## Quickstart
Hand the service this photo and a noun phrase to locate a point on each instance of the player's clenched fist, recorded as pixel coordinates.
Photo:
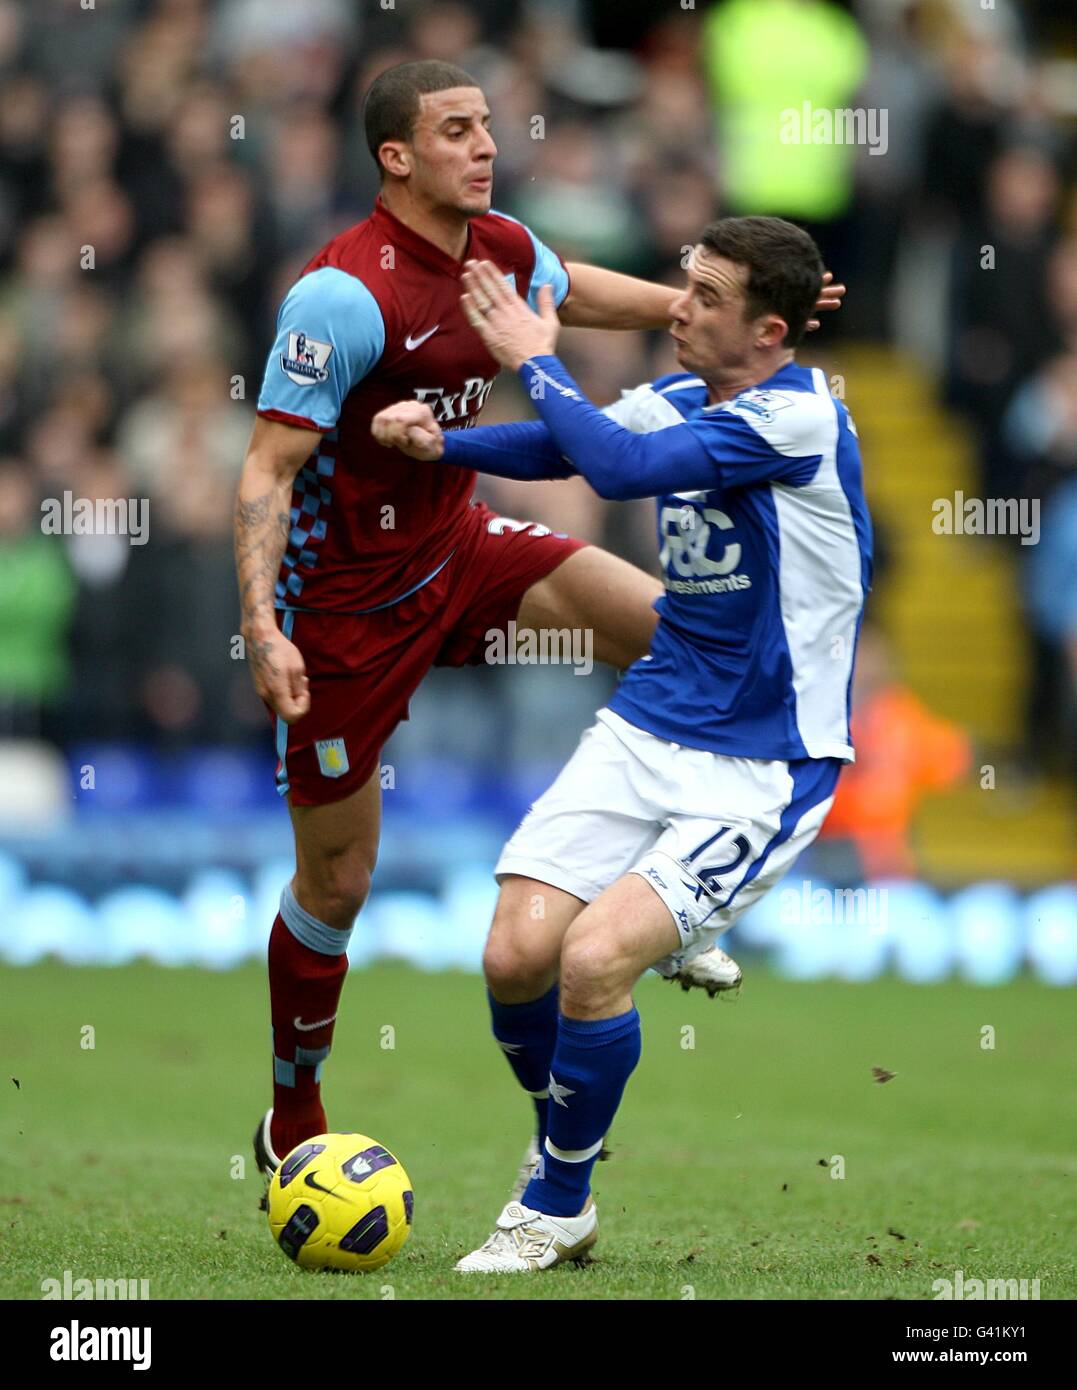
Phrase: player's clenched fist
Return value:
(410, 427)
(280, 674)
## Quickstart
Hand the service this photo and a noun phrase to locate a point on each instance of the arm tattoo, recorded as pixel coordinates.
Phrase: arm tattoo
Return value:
(261, 535)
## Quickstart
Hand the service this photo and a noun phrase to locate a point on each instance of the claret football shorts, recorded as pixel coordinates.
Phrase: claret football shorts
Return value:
(364, 668)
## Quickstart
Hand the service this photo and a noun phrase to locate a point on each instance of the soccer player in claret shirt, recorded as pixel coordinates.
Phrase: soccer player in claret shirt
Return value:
(715, 763)
(360, 569)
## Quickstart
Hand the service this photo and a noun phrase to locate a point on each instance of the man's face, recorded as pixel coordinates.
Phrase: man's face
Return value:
(710, 329)
(452, 152)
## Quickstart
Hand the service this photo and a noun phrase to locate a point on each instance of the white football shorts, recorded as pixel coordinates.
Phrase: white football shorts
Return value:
(710, 833)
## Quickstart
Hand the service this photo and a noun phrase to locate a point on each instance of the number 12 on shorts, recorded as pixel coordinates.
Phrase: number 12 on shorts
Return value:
(710, 875)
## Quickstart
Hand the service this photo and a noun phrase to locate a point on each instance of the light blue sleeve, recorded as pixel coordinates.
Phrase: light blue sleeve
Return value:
(548, 271)
(330, 334)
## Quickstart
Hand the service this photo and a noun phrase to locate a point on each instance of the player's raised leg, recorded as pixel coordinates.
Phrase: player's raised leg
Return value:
(594, 591)
(606, 949)
(336, 849)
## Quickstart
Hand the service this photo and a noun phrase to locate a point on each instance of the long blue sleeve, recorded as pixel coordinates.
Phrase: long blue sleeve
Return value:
(526, 450)
(617, 463)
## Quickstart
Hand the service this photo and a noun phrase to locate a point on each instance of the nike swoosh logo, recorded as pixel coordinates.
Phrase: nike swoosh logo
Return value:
(310, 1027)
(412, 343)
(311, 1181)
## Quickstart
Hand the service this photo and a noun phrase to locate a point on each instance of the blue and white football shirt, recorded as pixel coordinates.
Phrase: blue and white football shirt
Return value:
(766, 573)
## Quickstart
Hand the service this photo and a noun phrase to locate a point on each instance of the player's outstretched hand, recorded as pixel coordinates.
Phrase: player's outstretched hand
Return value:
(510, 330)
(280, 675)
(410, 427)
(830, 297)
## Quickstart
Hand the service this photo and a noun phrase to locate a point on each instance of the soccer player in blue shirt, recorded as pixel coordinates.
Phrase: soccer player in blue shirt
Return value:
(715, 763)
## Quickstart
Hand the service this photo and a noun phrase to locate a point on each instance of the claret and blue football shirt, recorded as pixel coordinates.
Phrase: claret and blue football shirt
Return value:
(375, 318)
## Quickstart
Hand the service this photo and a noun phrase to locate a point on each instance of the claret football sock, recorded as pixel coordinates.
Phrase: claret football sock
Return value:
(307, 964)
(527, 1034)
(592, 1062)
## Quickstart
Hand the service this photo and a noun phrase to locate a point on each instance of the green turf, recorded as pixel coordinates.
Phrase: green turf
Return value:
(117, 1160)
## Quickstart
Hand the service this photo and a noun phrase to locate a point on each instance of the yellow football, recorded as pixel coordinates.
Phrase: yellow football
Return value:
(340, 1201)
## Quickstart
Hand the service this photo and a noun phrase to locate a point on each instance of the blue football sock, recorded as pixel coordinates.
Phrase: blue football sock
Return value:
(528, 1034)
(591, 1066)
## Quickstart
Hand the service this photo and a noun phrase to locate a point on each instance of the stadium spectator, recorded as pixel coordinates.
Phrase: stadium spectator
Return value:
(1002, 324)
(36, 601)
(764, 60)
(1039, 430)
(1052, 596)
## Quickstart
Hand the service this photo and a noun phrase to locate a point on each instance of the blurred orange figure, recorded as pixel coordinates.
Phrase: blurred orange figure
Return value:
(903, 752)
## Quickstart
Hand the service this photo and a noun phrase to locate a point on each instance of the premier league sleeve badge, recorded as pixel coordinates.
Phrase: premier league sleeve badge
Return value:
(304, 362)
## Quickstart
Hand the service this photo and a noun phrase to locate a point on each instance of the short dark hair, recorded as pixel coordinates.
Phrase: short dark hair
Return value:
(785, 269)
(393, 102)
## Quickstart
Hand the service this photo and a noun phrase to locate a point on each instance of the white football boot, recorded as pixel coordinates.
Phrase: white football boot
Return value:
(711, 970)
(527, 1240)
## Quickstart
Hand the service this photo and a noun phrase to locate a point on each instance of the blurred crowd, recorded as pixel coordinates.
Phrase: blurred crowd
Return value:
(168, 166)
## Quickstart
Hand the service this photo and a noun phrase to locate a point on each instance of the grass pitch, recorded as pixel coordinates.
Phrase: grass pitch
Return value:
(120, 1160)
